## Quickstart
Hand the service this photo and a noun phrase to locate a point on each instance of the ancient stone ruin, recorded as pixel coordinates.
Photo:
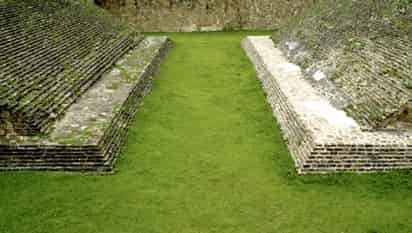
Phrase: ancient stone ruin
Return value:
(338, 78)
(71, 78)
(204, 15)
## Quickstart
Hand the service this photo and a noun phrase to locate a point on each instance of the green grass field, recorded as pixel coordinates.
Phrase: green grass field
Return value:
(205, 155)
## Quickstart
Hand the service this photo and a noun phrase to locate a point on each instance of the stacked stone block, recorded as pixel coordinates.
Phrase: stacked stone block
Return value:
(321, 138)
(378, 82)
(362, 52)
(99, 148)
(51, 53)
(204, 15)
(71, 79)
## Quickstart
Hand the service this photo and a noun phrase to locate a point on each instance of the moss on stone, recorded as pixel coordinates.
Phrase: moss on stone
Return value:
(68, 45)
(366, 43)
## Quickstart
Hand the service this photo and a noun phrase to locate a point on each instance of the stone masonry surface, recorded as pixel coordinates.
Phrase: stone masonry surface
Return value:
(320, 137)
(204, 15)
(51, 52)
(91, 133)
(359, 53)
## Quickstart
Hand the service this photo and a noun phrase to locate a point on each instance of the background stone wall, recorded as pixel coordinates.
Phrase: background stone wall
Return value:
(204, 15)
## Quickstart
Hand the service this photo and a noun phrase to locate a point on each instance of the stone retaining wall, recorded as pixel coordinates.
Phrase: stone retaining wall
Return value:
(321, 138)
(51, 52)
(204, 15)
(360, 54)
(90, 135)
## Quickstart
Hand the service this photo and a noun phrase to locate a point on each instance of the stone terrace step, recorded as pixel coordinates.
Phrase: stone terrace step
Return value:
(51, 52)
(89, 136)
(321, 138)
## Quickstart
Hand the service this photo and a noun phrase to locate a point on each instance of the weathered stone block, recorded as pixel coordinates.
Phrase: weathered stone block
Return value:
(321, 138)
(90, 135)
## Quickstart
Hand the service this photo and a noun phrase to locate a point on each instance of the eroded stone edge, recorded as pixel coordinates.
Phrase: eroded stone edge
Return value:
(91, 155)
(316, 145)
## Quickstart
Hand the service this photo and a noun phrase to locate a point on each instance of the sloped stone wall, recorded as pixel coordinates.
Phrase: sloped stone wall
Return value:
(359, 53)
(51, 52)
(204, 15)
(321, 138)
(90, 135)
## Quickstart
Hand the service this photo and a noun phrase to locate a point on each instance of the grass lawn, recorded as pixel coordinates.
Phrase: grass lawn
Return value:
(205, 155)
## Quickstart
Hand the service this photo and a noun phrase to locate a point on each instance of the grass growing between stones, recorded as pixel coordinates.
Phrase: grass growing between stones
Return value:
(203, 156)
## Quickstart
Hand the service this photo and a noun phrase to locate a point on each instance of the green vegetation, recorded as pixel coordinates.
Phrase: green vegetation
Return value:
(205, 155)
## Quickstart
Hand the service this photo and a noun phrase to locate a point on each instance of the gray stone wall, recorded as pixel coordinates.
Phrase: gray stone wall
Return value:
(90, 135)
(321, 138)
(51, 53)
(203, 15)
(360, 54)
